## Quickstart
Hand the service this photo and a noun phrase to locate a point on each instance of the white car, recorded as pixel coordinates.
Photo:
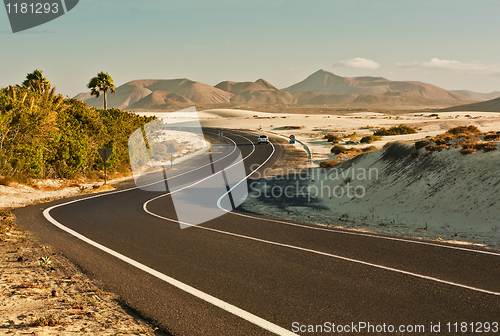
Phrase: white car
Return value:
(262, 139)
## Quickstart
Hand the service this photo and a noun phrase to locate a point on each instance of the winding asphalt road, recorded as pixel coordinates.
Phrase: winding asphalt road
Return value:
(245, 274)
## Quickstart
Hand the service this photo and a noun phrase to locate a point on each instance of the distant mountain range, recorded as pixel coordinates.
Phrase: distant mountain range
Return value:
(478, 96)
(486, 106)
(321, 89)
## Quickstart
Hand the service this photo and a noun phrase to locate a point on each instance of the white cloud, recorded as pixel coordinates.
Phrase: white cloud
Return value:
(455, 66)
(358, 63)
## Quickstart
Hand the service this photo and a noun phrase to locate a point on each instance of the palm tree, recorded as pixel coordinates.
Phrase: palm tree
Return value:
(37, 82)
(102, 82)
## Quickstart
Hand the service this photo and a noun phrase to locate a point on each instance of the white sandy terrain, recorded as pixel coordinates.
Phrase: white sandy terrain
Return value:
(16, 195)
(455, 198)
(438, 195)
(314, 126)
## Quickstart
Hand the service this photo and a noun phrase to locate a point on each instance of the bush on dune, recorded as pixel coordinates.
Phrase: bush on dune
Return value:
(370, 138)
(328, 163)
(332, 138)
(464, 131)
(349, 153)
(395, 130)
(466, 137)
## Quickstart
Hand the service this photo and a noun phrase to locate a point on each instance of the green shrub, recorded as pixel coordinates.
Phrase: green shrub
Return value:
(369, 149)
(332, 138)
(486, 146)
(370, 139)
(441, 141)
(338, 149)
(396, 130)
(432, 148)
(420, 144)
(491, 137)
(467, 150)
(463, 131)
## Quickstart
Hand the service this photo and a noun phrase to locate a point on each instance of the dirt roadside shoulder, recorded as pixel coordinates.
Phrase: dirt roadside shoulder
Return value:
(43, 293)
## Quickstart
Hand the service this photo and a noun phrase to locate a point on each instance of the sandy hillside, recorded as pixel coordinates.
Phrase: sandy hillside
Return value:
(134, 91)
(477, 95)
(125, 95)
(258, 93)
(437, 195)
(239, 87)
(320, 90)
(327, 82)
(486, 106)
(160, 100)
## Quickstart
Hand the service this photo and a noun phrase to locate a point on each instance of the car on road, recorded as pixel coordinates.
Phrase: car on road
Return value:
(263, 139)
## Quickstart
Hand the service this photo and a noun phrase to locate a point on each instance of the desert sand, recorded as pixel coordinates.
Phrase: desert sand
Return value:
(463, 206)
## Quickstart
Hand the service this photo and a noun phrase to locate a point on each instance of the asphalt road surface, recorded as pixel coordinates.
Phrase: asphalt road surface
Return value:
(245, 274)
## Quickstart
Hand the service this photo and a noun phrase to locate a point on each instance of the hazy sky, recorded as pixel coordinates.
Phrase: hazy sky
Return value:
(450, 43)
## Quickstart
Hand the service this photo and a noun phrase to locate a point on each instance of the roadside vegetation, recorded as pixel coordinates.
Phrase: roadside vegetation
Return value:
(468, 138)
(370, 138)
(333, 138)
(376, 136)
(344, 154)
(395, 130)
(44, 135)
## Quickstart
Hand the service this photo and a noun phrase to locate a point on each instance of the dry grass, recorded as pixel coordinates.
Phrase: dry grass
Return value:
(329, 163)
(338, 149)
(345, 154)
(6, 221)
(50, 320)
(468, 138)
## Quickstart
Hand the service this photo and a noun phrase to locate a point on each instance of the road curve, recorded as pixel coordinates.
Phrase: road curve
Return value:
(243, 274)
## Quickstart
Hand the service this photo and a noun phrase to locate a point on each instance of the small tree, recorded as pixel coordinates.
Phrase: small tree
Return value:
(101, 83)
(37, 82)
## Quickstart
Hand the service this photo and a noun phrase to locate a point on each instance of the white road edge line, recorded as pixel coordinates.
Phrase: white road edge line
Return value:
(332, 256)
(180, 285)
(338, 257)
(250, 317)
(309, 250)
